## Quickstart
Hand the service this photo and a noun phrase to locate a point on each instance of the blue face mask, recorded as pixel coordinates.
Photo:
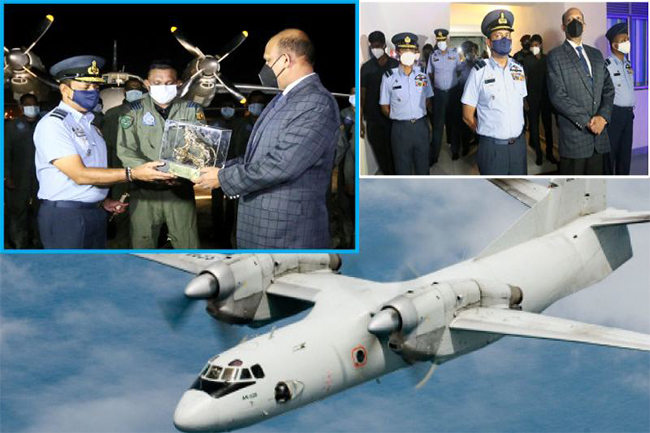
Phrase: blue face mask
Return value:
(133, 95)
(227, 112)
(87, 99)
(256, 109)
(502, 46)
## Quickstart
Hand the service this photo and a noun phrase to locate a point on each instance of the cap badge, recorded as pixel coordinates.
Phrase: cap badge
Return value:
(93, 69)
(502, 19)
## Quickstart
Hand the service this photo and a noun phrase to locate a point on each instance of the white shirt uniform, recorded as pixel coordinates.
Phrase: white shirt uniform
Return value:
(498, 95)
(65, 131)
(623, 78)
(406, 94)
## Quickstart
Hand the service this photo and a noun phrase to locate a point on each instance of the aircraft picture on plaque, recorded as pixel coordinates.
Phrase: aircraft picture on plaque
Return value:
(188, 147)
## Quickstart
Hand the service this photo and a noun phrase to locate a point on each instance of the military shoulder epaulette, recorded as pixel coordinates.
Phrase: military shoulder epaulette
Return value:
(388, 73)
(59, 113)
(608, 61)
(135, 105)
(478, 65)
(192, 104)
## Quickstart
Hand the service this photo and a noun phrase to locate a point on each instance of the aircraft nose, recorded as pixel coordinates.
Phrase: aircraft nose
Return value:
(197, 412)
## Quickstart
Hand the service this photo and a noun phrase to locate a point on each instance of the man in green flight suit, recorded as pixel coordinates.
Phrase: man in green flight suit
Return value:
(139, 140)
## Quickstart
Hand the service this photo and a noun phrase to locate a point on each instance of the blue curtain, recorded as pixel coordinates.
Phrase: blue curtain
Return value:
(636, 15)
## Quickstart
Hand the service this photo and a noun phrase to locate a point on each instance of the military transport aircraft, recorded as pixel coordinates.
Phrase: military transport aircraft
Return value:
(358, 330)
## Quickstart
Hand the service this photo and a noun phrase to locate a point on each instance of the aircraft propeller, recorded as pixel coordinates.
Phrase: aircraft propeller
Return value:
(18, 60)
(209, 66)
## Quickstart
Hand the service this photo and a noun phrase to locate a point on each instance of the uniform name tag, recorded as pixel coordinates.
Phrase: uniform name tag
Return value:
(397, 87)
(488, 81)
(79, 132)
(617, 74)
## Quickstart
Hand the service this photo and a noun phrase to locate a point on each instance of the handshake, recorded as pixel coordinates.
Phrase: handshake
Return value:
(596, 124)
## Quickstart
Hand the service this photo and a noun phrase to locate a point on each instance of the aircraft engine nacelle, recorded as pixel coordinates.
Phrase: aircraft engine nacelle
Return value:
(235, 287)
(496, 293)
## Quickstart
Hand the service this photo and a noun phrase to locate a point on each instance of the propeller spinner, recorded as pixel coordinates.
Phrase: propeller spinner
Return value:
(210, 66)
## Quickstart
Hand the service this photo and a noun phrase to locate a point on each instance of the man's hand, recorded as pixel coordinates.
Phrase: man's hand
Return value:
(114, 206)
(597, 124)
(148, 173)
(209, 178)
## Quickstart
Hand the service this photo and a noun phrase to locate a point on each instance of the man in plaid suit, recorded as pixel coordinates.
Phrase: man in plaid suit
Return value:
(581, 90)
(283, 178)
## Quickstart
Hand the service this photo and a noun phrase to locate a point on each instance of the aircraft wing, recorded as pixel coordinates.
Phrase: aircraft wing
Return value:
(612, 217)
(525, 191)
(192, 263)
(524, 324)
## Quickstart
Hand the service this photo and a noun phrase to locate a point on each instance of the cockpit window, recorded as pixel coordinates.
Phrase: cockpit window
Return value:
(213, 372)
(257, 371)
(245, 374)
(229, 374)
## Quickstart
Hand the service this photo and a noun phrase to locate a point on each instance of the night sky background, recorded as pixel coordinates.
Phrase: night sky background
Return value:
(143, 34)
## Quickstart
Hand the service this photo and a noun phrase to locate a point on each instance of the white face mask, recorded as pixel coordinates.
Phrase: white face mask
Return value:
(624, 47)
(535, 50)
(442, 45)
(377, 52)
(352, 100)
(31, 110)
(133, 95)
(163, 94)
(408, 58)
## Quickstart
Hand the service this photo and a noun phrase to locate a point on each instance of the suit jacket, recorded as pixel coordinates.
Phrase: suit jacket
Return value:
(283, 178)
(577, 101)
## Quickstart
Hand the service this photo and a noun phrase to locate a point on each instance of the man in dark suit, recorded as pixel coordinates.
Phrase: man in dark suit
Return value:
(283, 178)
(582, 92)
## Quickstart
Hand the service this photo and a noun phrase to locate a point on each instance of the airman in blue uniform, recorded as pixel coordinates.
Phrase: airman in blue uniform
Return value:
(71, 162)
(620, 129)
(495, 90)
(405, 97)
(444, 66)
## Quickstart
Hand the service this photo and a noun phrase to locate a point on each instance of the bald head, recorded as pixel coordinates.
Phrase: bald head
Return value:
(294, 42)
(572, 13)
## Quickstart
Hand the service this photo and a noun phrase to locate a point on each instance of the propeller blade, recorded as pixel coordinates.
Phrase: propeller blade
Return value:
(427, 376)
(229, 86)
(43, 28)
(176, 310)
(37, 73)
(193, 49)
(6, 50)
(185, 87)
(232, 45)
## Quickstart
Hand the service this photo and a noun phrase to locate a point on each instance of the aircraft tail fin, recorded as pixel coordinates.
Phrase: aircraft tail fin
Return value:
(561, 202)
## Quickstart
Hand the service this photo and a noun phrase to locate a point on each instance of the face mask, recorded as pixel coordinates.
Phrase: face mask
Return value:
(535, 50)
(408, 58)
(353, 100)
(442, 46)
(98, 108)
(574, 29)
(256, 109)
(227, 112)
(87, 99)
(624, 47)
(526, 46)
(163, 94)
(268, 77)
(31, 110)
(502, 46)
(133, 95)
(377, 52)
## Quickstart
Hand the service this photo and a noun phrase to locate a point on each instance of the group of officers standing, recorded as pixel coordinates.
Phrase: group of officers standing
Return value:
(489, 101)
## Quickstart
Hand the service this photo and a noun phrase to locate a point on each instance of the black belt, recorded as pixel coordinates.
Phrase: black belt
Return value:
(508, 141)
(410, 120)
(71, 204)
(624, 108)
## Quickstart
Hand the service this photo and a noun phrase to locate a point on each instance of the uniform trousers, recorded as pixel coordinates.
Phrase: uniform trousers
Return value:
(502, 157)
(620, 131)
(410, 141)
(72, 225)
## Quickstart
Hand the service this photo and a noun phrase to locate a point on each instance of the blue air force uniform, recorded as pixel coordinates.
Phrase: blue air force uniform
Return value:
(407, 97)
(444, 68)
(498, 95)
(620, 129)
(70, 215)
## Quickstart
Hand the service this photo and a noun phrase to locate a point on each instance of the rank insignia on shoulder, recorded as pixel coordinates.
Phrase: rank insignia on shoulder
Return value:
(126, 121)
(388, 73)
(200, 115)
(135, 105)
(478, 65)
(608, 62)
(148, 119)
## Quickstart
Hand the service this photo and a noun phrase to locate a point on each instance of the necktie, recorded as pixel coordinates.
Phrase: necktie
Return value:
(585, 66)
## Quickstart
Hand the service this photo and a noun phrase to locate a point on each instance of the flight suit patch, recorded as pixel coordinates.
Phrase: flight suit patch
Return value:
(126, 121)
(148, 119)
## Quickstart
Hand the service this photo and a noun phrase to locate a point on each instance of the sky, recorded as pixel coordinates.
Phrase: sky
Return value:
(143, 34)
(84, 346)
